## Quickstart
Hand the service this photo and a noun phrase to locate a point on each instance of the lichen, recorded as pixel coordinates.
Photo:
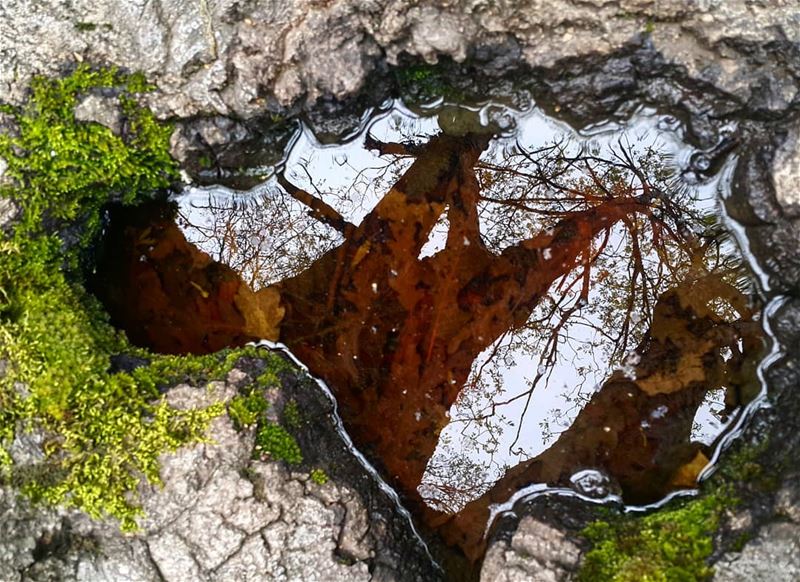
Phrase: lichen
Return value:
(103, 430)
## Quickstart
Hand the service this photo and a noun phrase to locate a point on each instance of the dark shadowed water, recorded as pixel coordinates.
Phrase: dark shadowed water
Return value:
(497, 300)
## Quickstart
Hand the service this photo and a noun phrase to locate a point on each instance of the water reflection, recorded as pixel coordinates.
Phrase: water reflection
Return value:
(494, 303)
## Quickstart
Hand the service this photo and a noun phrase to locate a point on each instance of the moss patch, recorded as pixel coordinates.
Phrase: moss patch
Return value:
(319, 476)
(246, 410)
(744, 468)
(64, 170)
(103, 430)
(292, 416)
(274, 442)
(672, 544)
(422, 83)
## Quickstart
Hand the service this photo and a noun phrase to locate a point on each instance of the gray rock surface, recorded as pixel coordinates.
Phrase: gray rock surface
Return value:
(773, 555)
(8, 213)
(774, 552)
(243, 57)
(537, 552)
(786, 174)
(219, 516)
(102, 110)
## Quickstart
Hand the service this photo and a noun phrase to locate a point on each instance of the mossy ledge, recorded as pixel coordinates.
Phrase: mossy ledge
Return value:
(670, 544)
(102, 429)
(678, 542)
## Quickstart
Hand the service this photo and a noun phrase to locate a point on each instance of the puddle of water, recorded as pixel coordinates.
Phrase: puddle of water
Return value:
(495, 299)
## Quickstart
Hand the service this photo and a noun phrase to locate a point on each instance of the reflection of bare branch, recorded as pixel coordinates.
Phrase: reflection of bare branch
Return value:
(553, 258)
(319, 208)
(638, 428)
(392, 148)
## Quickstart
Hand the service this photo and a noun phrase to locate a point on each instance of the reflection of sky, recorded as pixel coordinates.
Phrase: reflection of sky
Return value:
(352, 180)
(525, 428)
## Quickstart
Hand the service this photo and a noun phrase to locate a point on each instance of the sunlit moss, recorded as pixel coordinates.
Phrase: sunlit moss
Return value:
(64, 169)
(319, 476)
(246, 410)
(274, 442)
(103, 430)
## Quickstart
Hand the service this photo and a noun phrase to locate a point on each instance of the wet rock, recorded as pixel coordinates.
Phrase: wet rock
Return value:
(786, 322)
(126, 363)
(786, 174)
(219, 516)
(761, 204)
(206, 135)
(537, 552)
(102, 110)
(776, 248)
(246, 58)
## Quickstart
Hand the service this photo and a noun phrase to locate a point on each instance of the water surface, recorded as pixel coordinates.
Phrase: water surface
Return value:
(496, 299)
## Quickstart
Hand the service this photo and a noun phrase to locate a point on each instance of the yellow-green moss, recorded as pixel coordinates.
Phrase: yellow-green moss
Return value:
(274, 442)
(668, 545)
(319, 477)
(246, 410)
(103, 430)
(64, 169)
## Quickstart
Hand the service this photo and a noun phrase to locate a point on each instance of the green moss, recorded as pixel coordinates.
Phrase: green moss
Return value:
(671, 544)
(291, 414)
(246, 410)
(319, 476)
(744, 468)
(103, 431)
(423, 82)
(85, 26)
(205, 162)
(65, 170)
(273, 441)
(675, 543)
(269, 377)
(738, 544)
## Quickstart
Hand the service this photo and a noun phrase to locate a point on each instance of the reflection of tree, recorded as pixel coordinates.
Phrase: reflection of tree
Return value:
(444, 309)
(638, 426)
(166, 294)
(264, 240)
(453, 481)
(573, 240)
